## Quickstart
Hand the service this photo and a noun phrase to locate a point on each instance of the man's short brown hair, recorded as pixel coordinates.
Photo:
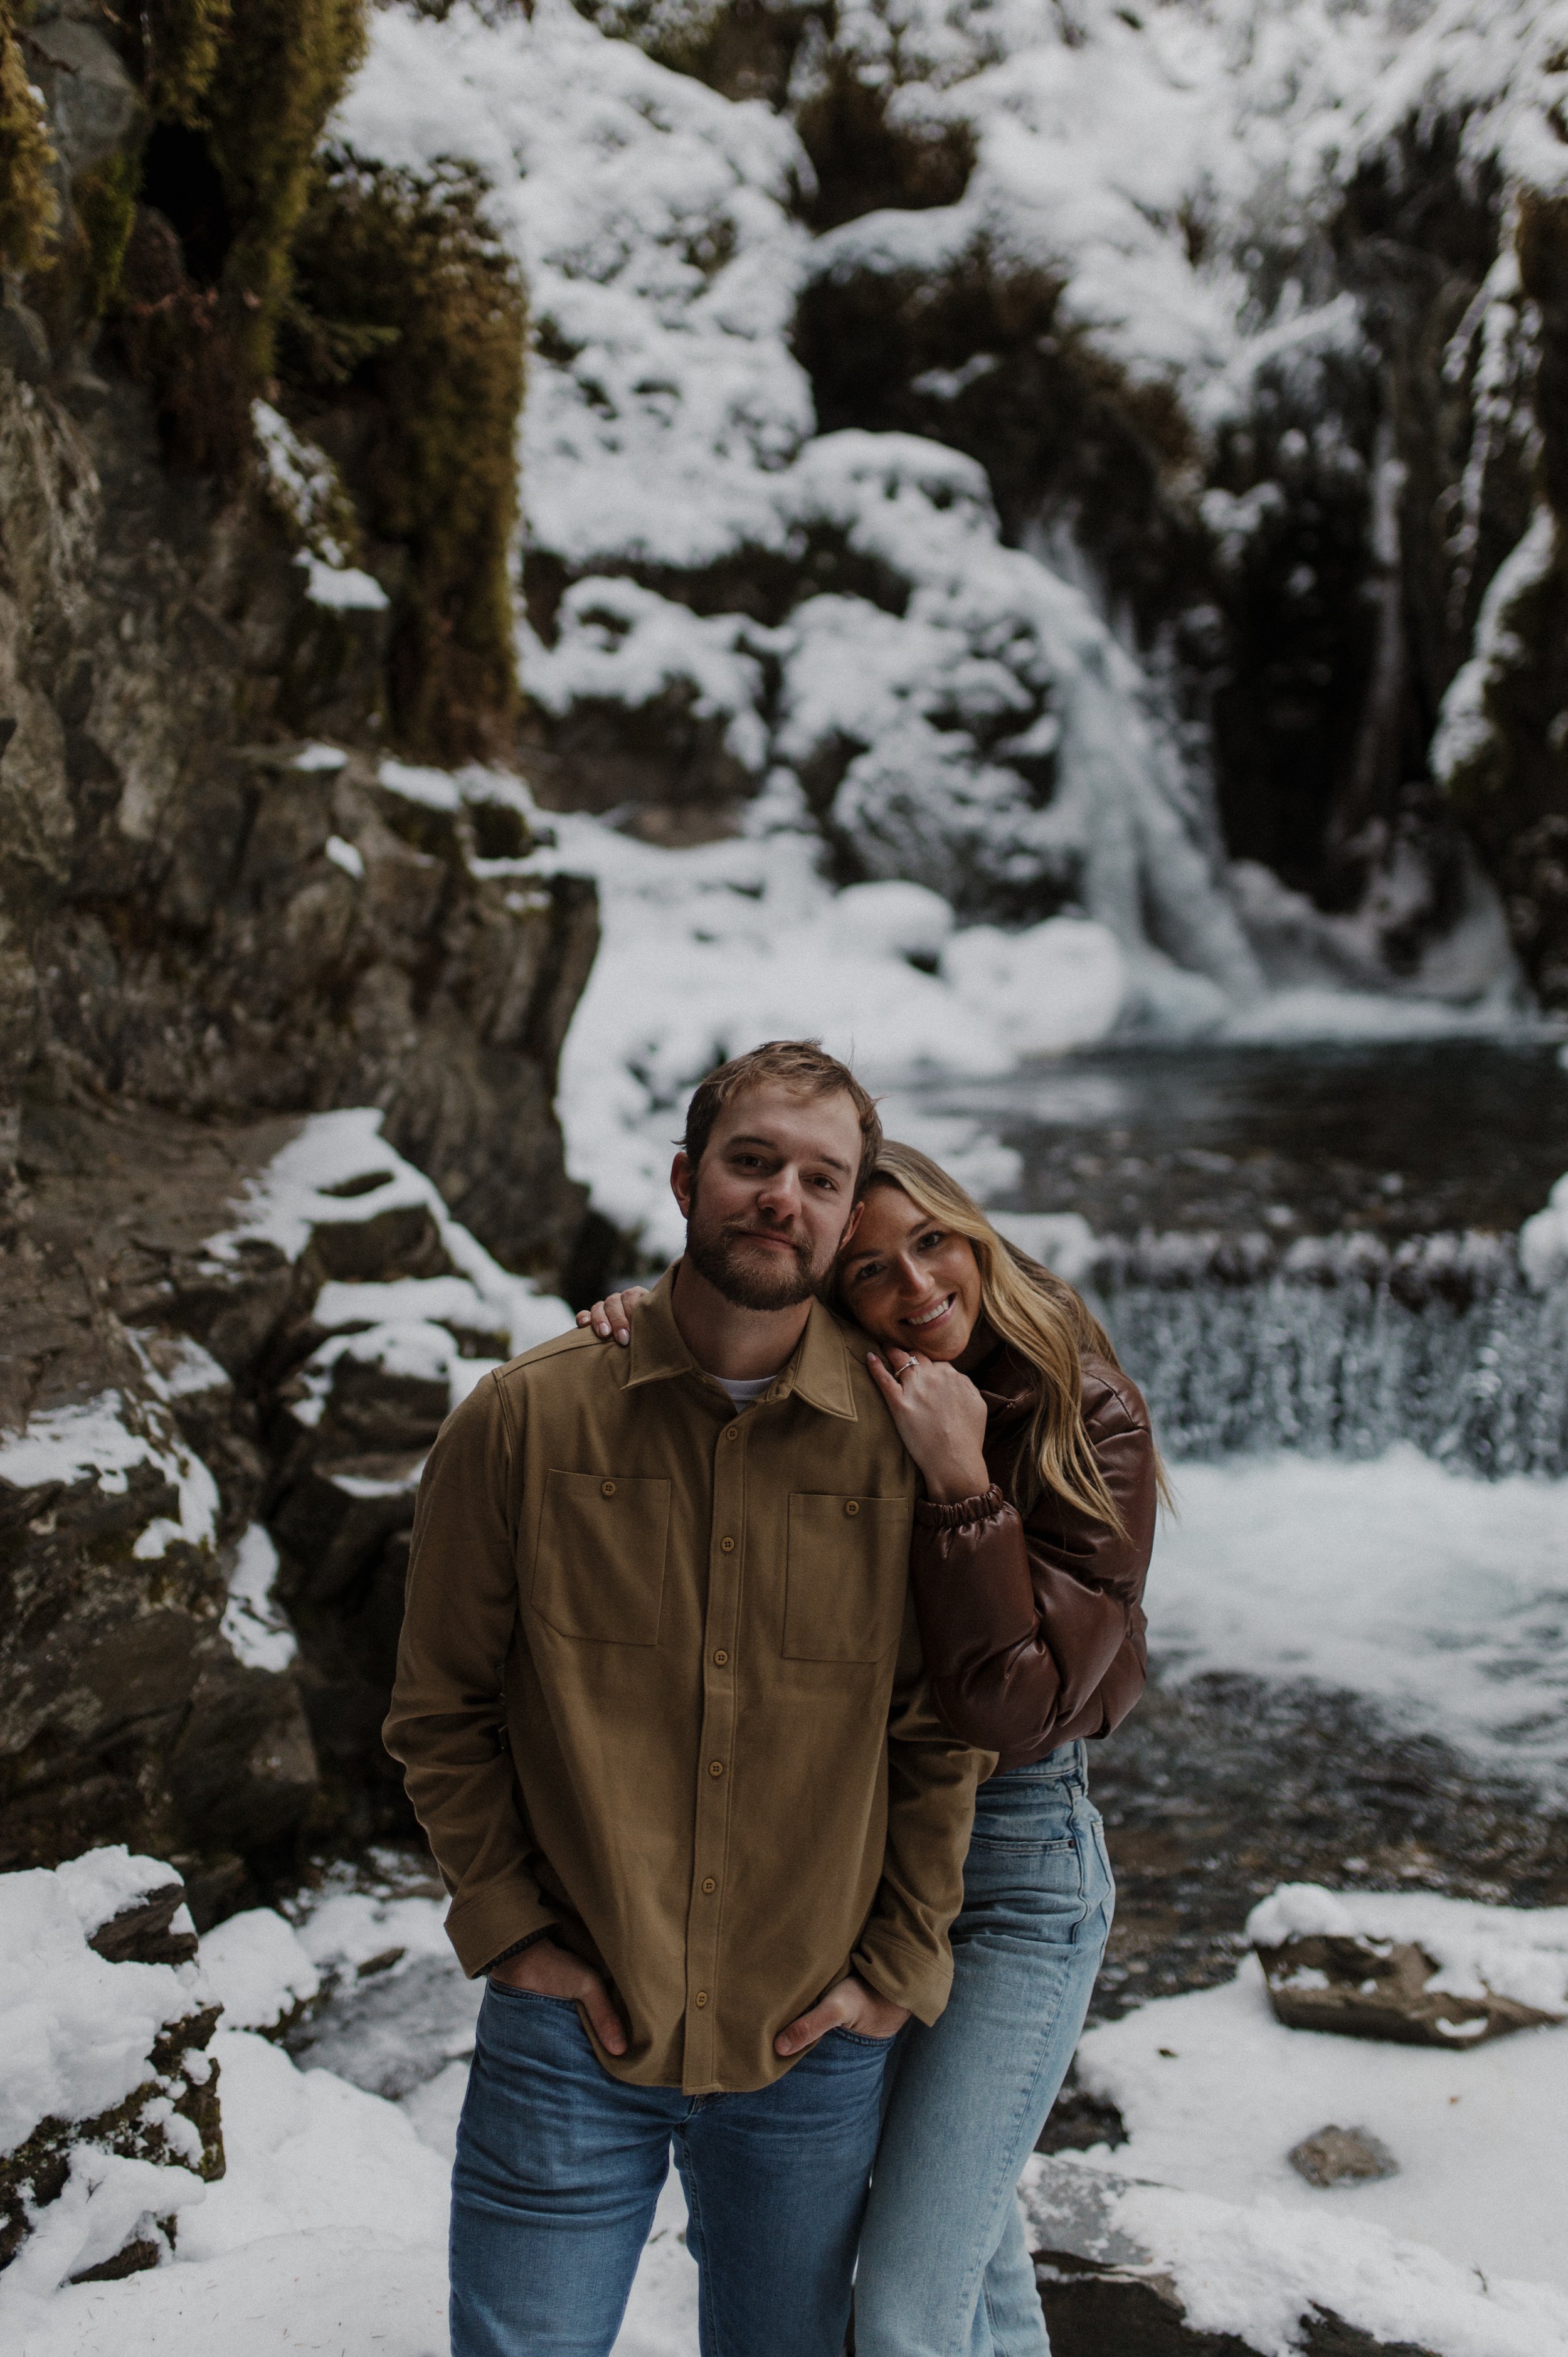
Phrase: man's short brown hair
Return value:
(801, 1066)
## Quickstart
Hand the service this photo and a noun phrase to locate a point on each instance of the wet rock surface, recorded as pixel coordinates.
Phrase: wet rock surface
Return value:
(1218, 1789)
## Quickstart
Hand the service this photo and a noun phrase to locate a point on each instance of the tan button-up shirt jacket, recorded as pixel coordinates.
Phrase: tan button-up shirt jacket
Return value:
(660, 1690)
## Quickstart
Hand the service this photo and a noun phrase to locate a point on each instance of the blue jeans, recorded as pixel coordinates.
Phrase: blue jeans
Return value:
(559, 2168)
(944, 2266)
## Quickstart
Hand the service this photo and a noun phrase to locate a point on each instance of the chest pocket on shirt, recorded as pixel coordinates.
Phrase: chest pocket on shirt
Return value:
(599, 1569)
(845, 1577)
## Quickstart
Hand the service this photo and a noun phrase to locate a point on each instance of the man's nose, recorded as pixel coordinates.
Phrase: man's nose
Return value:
(781, 1194)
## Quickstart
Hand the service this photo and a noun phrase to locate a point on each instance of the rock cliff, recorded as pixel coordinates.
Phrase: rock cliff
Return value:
(226, 907)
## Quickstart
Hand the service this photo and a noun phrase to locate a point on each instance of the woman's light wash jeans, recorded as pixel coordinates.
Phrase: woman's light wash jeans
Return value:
(944, 2265)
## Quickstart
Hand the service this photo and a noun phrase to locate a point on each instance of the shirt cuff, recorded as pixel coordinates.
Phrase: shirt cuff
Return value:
(961, 1512)
(495, 1918)
(913, 1977)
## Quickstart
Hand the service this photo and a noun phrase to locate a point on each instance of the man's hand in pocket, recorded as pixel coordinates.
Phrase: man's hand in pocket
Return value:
(849, 2005)
(551, 1971)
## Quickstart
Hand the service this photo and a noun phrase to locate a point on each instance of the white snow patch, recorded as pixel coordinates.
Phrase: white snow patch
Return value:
(346, 855)
(258, 1968)
(254, 1624)
(344, 588)
(1215, 2093)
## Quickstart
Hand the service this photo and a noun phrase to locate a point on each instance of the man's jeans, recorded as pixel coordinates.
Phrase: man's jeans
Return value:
(559, 2168)
(944, 2266)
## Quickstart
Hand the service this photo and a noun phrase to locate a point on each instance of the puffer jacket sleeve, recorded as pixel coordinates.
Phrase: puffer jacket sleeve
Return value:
(1033, 1625)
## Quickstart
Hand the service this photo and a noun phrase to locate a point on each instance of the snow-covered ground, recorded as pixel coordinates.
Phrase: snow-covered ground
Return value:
(327, 2233)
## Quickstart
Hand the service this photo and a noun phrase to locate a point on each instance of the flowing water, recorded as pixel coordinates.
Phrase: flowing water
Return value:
(1307, 1248)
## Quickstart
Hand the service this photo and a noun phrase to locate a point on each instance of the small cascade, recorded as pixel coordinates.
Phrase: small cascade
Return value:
(1341, 1345)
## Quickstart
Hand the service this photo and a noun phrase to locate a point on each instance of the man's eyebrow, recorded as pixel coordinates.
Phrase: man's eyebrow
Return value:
(746, 1138)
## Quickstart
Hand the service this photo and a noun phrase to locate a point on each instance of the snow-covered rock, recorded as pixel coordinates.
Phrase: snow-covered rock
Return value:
(109, 2121)
(1408, 1965)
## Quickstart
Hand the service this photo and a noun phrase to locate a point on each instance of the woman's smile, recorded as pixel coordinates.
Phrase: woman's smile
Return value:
(926, 1318)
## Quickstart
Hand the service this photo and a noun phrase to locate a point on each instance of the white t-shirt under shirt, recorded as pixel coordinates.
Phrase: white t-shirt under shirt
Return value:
(744, 1390)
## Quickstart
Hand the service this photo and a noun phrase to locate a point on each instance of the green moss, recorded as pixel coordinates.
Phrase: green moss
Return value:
(173, 48)
(408, 330)
(231, 168)
(106, 203)
(284, 67)
(27, 207)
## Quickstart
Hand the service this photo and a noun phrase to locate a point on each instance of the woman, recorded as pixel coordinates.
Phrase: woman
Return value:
(1031, 1547)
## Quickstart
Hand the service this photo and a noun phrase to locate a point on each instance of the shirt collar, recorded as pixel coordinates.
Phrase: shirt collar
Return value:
(818, 1371)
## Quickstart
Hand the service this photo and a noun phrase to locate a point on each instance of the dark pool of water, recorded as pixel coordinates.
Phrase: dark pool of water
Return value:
(1403, 1138)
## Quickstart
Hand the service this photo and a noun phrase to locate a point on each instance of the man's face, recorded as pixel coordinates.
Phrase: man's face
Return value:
(775, 1196)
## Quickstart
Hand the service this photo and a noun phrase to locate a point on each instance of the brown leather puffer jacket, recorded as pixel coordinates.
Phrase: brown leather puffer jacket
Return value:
(1033, 1625)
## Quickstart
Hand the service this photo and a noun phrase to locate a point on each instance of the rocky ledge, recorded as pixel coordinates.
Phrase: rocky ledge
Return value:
(231, 1346)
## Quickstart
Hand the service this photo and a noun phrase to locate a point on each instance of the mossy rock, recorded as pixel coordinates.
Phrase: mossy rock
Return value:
(403, 352)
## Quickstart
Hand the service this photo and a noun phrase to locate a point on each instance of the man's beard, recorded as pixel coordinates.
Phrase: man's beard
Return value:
(758, 1279)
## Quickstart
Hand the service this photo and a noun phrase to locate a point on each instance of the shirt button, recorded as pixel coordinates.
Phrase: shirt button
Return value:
(702, 1997)
(715, 1766)
(850, 1505)
(608, 1489)
(726, 1546)
(732, 1431)
(721, 1657)
(709, 1884)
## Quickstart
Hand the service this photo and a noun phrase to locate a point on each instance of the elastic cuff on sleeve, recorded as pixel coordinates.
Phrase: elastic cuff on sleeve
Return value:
(962, 1513)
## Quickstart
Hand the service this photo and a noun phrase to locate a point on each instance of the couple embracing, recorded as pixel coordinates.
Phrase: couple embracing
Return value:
(753, 1635)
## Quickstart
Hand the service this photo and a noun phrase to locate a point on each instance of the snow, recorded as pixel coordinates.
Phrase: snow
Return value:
(1515, 1952)
(1215, 2093)
(347, 856)
(76, 2031)
(108, 1437)
(983, 727)
(333, 1150)
(342, 588)
(257, 1969)
(254, 1624)
(1441, 1597)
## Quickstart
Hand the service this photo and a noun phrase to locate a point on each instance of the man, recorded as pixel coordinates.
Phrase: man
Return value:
(660, 1705)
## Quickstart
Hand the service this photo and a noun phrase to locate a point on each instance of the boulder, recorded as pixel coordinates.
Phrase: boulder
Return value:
(1410, 1966)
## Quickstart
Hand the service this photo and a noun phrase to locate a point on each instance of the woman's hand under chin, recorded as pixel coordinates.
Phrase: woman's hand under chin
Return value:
(940, 1418)
(613, 1314)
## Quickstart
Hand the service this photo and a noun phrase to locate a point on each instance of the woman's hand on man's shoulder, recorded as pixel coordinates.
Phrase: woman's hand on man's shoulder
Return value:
(613, 1314)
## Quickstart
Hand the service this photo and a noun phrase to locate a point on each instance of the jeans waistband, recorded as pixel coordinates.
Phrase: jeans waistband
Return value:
(1069, 1762)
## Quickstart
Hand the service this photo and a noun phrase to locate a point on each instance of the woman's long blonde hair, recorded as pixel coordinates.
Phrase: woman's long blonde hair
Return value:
(1042, 1319)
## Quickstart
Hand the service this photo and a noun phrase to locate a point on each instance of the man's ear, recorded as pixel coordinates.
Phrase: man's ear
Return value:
(852, 1222)
(682, 1177)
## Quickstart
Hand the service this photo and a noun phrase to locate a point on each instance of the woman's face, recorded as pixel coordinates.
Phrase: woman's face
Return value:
(910, 1282)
